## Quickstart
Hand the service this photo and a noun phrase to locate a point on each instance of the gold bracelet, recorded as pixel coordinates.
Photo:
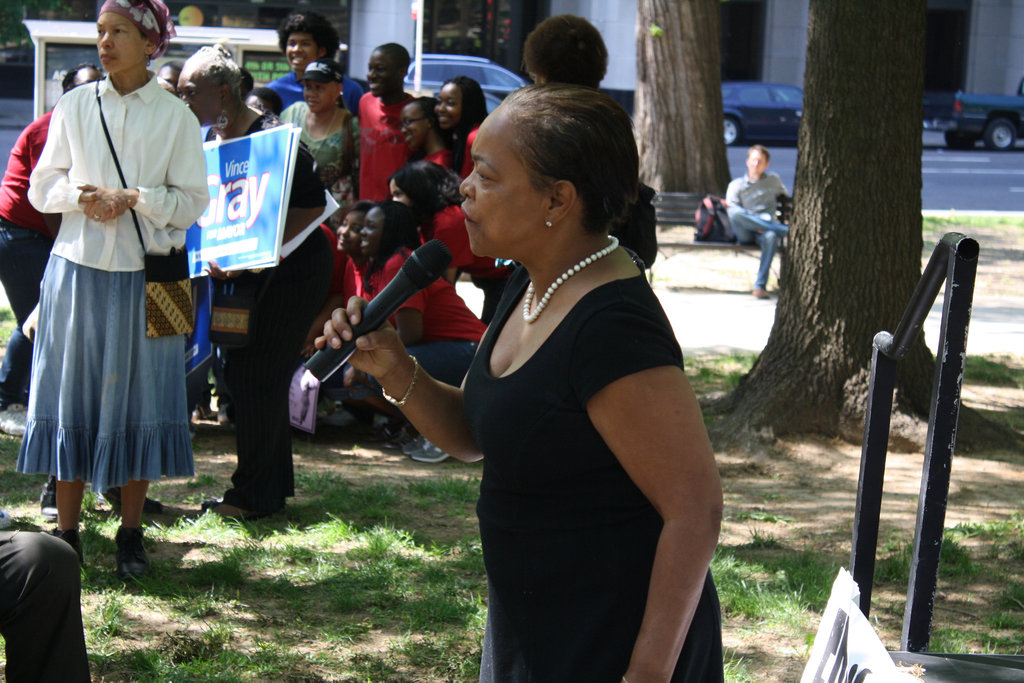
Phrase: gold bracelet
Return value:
(412, 385)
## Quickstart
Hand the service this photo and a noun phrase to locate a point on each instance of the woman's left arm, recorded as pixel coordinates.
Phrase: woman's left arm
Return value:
(671, 461)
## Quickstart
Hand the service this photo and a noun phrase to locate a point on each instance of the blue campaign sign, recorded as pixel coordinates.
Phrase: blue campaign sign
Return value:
(250, 179)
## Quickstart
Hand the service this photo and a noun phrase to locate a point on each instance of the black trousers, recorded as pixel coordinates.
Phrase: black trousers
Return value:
(40, 609)
(258, 376)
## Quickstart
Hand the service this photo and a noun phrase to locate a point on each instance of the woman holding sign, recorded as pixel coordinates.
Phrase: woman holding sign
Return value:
(258, 374)
(110, 404)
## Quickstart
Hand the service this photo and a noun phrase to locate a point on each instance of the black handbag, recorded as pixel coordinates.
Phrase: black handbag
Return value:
(233, 308)
(169, 308)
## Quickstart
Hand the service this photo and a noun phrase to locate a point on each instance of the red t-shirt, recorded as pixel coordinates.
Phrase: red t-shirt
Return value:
(441, 158)
(382, 147)
(14, 204)
(353, 285)
(340, 262)
(445, 315)
(467, 160)
(449, 226)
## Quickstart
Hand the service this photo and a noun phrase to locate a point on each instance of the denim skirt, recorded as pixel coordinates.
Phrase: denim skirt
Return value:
(107, 404)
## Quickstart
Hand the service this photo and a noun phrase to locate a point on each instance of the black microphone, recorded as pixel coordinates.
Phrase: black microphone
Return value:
(423, 266)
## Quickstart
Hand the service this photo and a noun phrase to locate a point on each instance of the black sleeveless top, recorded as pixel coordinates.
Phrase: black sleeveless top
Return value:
(568, 538)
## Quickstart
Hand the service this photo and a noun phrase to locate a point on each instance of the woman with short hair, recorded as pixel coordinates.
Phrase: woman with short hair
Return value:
(600, 502)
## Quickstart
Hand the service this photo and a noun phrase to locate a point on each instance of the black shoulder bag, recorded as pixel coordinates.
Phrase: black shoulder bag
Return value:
(168, 289)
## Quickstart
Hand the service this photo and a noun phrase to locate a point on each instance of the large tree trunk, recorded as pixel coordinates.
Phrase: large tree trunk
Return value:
(678, 106)
(855, 245)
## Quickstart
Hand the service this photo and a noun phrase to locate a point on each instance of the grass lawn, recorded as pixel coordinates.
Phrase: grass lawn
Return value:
(374, 571)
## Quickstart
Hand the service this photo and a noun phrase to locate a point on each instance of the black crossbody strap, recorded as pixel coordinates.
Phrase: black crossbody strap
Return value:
(117, 163)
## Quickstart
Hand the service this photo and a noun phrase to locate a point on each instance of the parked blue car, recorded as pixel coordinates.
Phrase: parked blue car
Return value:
(757, 111)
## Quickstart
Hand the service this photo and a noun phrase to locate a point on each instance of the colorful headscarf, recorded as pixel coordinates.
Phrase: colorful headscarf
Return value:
(151, 16)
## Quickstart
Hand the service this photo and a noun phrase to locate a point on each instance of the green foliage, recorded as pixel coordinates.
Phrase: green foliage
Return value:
(12, 30)
(778, 588)
(761, 516)
(935, 226)
(994, 371)
(718, 373)
(955, 563)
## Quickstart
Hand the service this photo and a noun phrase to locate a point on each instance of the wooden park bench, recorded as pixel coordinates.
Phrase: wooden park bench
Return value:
(679, 209)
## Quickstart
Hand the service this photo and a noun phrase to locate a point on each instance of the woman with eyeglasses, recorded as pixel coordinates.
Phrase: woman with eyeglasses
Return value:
(258, 375)
(423, 132)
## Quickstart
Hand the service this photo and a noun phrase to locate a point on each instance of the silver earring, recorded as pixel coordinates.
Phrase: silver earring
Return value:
(547, 223)
(222, 120)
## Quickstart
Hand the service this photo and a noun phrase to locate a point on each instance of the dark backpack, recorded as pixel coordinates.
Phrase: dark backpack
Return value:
(712, 223)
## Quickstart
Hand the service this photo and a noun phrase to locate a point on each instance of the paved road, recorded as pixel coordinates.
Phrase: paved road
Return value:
(964, 180)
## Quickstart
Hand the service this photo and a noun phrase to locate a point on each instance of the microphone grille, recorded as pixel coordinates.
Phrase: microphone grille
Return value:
(427, 263)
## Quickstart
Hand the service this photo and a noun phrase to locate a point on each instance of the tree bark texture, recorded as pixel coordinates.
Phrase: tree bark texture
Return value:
(678, 105)
(854, 252)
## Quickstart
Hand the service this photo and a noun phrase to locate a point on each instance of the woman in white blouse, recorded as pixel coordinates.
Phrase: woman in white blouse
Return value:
(109, 405)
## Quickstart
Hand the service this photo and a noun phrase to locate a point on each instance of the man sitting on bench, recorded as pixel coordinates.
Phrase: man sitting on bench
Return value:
(751, 201)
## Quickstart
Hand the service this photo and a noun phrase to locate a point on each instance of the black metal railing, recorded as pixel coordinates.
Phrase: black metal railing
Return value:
(954, 261)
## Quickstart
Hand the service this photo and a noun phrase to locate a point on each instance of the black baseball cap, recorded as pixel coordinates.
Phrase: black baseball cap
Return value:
(323, 71)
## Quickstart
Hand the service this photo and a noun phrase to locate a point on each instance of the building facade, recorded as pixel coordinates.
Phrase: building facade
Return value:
(974, 45)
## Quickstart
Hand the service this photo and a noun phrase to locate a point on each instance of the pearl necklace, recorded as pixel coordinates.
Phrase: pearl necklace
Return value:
(542, 304)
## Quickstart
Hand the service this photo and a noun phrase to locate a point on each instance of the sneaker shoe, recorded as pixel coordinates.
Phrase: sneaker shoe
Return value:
(203, 412)
(71, 537)
(225, 415)
(760, 294)
(12, 420)
(339, 418)
(429, 454)
(5, 519)
(48, 500)
(131, 555)
(417, 444)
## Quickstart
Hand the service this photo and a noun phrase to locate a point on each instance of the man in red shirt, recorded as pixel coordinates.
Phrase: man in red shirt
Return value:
(382, 146)
(26, 237)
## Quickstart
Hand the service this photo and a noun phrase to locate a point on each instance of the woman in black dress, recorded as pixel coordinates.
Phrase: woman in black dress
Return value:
(600, 502)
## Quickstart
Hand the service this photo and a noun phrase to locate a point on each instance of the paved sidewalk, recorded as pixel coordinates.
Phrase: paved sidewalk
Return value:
(708, 323)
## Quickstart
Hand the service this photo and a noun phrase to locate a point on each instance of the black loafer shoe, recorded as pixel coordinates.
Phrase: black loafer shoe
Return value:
(219, 507)
(149, 506)
(71, 537)
(131, 555)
